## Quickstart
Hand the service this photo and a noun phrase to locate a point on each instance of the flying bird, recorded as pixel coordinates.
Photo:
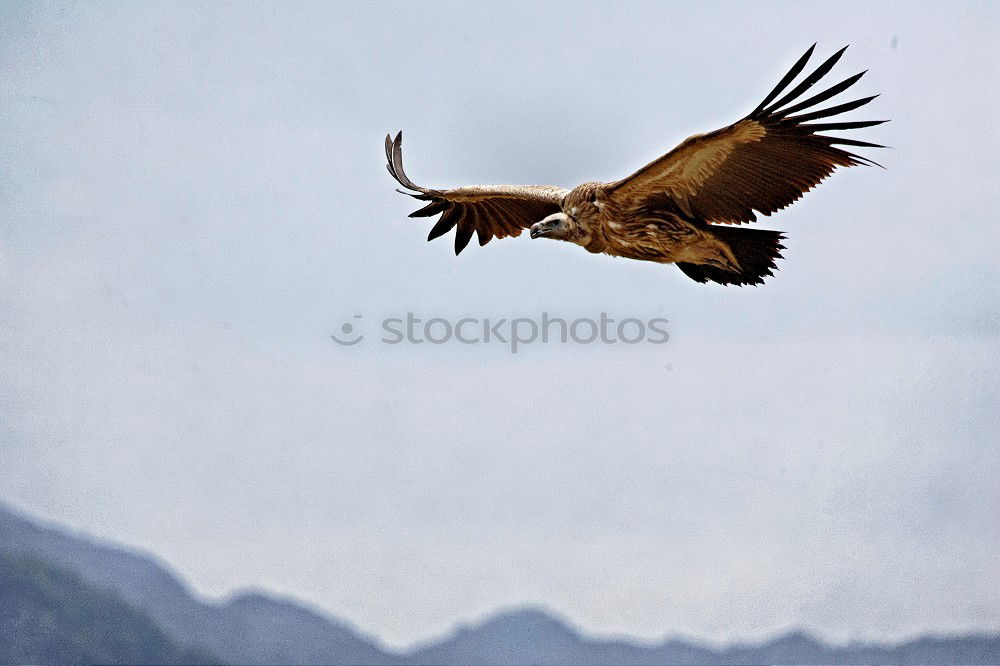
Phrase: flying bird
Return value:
(681, 207)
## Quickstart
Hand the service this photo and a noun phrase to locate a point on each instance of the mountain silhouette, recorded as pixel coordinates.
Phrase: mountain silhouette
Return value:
(106, 586)
(247, 629)
(50, 615)
(533, 636)
(522, 636)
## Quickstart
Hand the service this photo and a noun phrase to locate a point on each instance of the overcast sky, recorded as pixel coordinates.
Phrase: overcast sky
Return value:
(193, 199)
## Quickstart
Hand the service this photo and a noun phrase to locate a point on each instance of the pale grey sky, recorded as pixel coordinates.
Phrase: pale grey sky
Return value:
(193, 198)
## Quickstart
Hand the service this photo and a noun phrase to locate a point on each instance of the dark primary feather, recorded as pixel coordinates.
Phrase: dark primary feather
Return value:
(823, 96)
(832, 111)
(808, 82)
(463, 235)
(785, 80)
(849, 124)
(444, 225)
(431, 209)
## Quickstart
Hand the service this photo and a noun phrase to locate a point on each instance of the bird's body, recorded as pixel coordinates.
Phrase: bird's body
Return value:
(679, 208)
(643, 232)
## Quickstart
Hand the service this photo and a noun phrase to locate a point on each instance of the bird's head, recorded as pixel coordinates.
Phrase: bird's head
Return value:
(558, 226)
(554, 226)
(580, 210)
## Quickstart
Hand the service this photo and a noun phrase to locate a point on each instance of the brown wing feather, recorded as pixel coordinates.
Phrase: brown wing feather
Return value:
(761, 163)
(488, 211)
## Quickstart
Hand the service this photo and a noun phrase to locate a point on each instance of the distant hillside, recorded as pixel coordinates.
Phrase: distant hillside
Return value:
(50, 615)
(259, 629)
(528, 636)
(249, 629)
(532, 636)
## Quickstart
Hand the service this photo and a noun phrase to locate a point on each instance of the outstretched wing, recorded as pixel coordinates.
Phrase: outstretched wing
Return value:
(763, 162)
(487, 210)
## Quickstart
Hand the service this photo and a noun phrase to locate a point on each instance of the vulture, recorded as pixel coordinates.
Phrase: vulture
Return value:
(685, 207)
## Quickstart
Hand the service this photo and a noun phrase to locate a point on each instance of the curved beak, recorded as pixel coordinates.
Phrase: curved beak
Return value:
(548, 225)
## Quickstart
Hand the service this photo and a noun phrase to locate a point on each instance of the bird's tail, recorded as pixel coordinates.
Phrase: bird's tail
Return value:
(754, 249)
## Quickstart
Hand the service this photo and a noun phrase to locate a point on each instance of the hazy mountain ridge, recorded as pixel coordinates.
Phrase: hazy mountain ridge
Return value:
(256, 628)
(50, 615)
(534, 636)
(246, 629)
